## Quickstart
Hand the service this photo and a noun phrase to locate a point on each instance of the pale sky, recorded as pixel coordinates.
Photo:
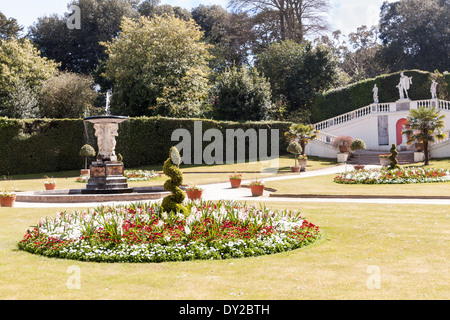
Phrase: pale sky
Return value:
(346, 15)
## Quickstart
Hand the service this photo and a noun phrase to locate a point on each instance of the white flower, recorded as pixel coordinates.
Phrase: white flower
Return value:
(180, 216)
(187, 230)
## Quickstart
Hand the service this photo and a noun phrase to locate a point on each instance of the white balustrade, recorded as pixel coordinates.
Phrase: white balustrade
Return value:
(378, 108)
(325, 138)
(444, 105)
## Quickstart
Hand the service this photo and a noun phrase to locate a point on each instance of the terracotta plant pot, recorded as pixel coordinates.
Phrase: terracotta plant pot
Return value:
(85, 172)
(194, 194)
(295, 169)
(7, 201)
(50, 186)
(235, 183)
(359, 167)
(257, 190)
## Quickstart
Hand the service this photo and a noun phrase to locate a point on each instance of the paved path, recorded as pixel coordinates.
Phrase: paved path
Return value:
(217, 191)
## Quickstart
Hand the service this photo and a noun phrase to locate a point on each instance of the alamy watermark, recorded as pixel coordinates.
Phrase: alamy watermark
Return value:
(74, 280)
(374, 280)
(74, 20)
(239, 146)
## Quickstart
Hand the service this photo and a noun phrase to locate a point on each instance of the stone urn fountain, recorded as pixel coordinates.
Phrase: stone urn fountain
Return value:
(107, 174)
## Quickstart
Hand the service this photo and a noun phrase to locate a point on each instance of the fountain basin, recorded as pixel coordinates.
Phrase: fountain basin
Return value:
(78, 195)
(106, 119)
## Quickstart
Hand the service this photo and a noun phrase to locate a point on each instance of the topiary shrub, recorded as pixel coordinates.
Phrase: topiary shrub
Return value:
(173, 202)
(294, 148)
(86, 152)
(358, 144)
(393, 157)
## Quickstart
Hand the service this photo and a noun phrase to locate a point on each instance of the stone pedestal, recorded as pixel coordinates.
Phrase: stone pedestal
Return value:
(403, 104)
(419, 156)
(342, 157)
(107, 177)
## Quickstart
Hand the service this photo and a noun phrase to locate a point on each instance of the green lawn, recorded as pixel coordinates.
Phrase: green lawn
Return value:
(324, 185)
(403, 248)
(194, 174)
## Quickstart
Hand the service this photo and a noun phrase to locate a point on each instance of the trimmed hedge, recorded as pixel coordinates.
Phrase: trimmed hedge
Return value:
(49, 145)
(359, 94)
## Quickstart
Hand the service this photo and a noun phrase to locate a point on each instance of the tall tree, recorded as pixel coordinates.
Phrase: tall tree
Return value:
(297, 72)
(416, 35)
(241, 93)
(230, 33)
(79, 50)
(158, 67)
(9, 28)
(357, 58)
(22, 71)
(294, 19)
(67, 95)
(151, 8)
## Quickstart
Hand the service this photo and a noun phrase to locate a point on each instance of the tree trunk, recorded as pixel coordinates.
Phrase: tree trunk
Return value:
(303, 145)
(425, 150)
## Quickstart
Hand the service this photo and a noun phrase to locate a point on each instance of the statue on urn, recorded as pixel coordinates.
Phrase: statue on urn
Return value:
(106, 139)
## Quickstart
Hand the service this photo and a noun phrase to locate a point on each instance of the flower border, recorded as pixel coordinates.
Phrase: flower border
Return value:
(282, 231)
(394, 176)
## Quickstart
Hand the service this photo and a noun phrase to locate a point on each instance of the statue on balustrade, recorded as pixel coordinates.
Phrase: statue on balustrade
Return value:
(404, 85)
(433, 89)
(375, 94)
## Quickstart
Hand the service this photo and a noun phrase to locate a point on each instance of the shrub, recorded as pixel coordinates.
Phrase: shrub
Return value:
(86, 152)
(357, 145)
(342, 141)
(173, 202)
(393, 164)
(241, 94)
(294, 148)
(142, 141)
(68, 95)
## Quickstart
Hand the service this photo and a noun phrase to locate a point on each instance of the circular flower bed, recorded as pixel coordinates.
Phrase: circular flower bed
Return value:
(131, 175)
(396, 176)
(143, 233)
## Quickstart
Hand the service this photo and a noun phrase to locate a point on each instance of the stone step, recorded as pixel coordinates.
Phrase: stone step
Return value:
(373, 158)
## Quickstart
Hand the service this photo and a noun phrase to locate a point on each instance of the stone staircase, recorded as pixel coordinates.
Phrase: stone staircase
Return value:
(372, 157)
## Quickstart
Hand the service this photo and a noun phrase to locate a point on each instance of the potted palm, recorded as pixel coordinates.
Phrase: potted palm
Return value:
(358, 145)
(7, 199)
(49, 184)
(235, 180)
(86, 152)
(295, 148)
(257, 188)
(302, 133)
(194, 193)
